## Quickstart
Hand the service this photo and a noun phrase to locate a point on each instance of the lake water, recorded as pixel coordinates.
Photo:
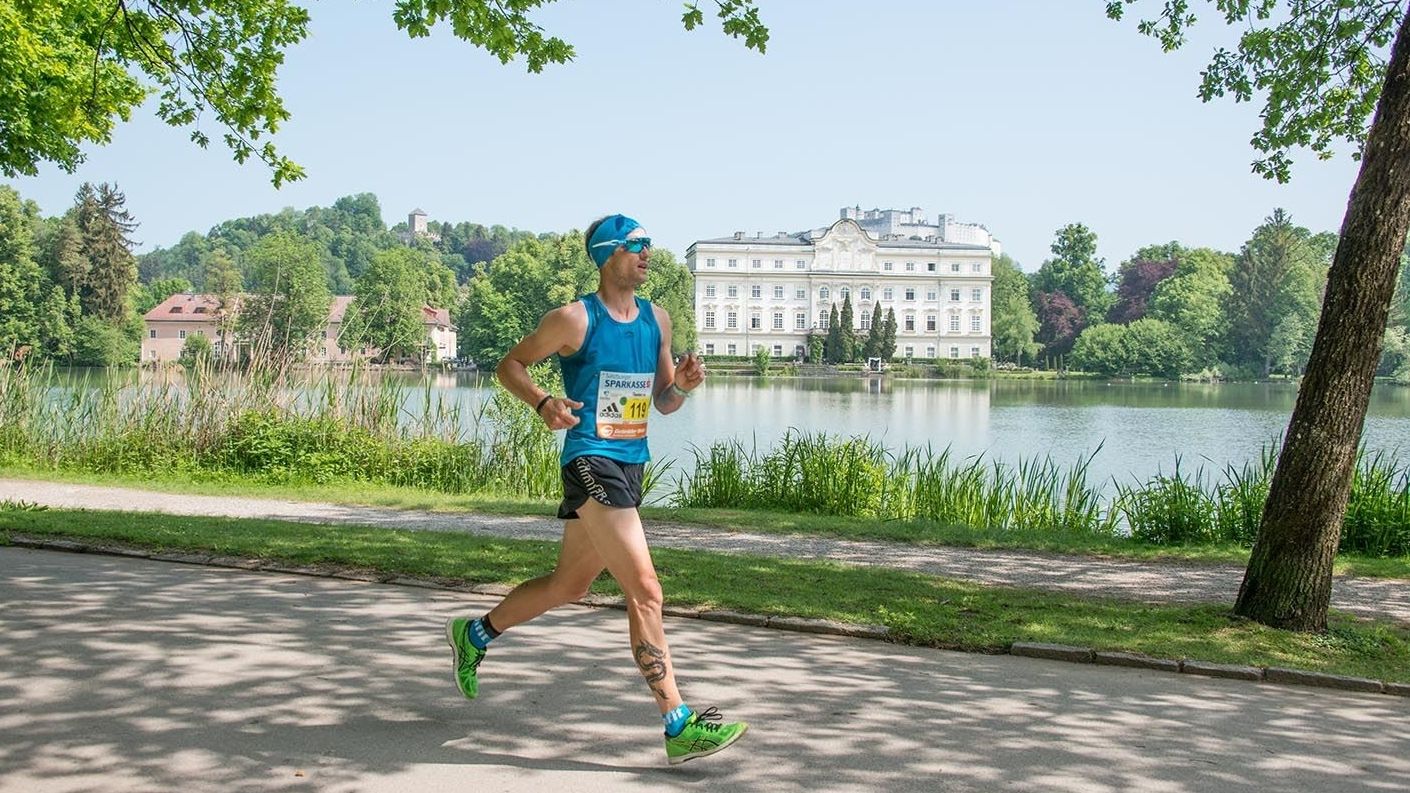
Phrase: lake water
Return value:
(1140, 428)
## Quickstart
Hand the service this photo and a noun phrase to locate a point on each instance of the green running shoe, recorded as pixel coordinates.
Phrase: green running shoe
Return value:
(703, 734)
(467, 657)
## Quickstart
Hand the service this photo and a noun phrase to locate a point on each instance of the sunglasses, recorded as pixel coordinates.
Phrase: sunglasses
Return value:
(635, 245)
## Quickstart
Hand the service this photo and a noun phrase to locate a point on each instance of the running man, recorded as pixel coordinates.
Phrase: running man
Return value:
(615, 351)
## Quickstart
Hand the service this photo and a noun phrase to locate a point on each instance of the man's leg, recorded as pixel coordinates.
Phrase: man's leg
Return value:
(621, 544)
(617, 535)
(578, 565)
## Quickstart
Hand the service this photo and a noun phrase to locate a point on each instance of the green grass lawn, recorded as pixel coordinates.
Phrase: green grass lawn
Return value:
(372, 494)
(919, 609)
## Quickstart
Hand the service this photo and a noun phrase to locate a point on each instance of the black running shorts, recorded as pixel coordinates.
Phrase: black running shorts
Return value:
(602, 479)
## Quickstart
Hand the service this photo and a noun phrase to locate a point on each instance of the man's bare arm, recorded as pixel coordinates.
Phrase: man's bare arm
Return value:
(560, 331)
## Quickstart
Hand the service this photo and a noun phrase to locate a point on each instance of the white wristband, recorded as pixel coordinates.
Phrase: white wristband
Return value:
(684, 394)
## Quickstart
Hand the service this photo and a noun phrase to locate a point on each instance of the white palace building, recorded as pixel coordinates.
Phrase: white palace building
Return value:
(772, 292)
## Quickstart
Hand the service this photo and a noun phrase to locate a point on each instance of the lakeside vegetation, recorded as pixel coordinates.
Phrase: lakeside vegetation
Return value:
(331, 428)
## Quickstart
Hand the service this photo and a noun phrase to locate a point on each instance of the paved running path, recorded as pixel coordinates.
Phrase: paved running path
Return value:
(120, 674)
(1143, 581)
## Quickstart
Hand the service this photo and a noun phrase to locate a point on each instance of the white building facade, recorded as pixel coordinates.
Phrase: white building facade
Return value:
(773, 292)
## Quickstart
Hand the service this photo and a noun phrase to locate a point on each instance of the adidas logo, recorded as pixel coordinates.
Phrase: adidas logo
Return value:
(611, 409)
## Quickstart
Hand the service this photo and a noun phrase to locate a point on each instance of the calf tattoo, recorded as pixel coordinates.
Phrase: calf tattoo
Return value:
(652, 661)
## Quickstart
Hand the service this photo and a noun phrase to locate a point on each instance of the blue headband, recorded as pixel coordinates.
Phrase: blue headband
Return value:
(609, 234)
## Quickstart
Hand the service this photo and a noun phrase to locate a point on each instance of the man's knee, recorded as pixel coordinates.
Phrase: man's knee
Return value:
(644, 596)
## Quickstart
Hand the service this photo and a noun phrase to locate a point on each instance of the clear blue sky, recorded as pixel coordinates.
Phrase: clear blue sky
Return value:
(1023, 115)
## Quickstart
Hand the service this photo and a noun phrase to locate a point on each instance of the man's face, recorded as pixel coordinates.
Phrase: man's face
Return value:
(630, 261)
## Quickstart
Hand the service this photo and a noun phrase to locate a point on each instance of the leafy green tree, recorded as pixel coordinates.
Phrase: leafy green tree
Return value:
(196, 352)
(1146, 346)
(182, 260)
(1014, 324)
(1274, 276)
(58, 324)
(65, 260)
(1395, 355)
(505, 300)
(490, 323)
(223, 280)
(1076, 271)
(97, 342)
(289, 300)
(761, 361)
(21, 279)
(887, 350)
(871, 348)
(76, 67)
(1193, 300)
(386, 311)
(1290, 344)
(1158, 348)
(816, 348)
(846, 333)
(1313, 102)
(441, 289)
(1158, 252)
(1103, 349)
(221, 276)
(832, 344)
(105, 225)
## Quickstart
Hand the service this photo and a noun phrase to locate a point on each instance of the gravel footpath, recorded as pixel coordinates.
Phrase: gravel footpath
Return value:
(1162, 582)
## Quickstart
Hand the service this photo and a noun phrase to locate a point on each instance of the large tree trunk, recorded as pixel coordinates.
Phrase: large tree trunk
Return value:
(1289, 579)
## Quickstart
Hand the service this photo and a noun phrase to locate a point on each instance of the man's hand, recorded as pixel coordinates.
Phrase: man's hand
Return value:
(690, 373)
(557, 413)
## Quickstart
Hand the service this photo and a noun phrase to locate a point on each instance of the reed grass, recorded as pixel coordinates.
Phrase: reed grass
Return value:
(325, 426)
(856, 477)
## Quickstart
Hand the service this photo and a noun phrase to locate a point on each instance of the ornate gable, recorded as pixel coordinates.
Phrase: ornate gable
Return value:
(845, 247)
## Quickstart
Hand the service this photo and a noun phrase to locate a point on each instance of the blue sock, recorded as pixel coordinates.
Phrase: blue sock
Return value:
(480, 632)
(675, 719)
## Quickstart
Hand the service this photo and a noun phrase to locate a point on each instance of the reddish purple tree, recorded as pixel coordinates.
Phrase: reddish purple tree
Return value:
(1133, 292)
(1059, 322)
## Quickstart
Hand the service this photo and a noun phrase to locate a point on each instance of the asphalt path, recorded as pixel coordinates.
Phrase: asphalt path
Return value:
(122, 674)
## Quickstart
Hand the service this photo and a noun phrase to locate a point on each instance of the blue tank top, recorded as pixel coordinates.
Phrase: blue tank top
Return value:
(614, 375)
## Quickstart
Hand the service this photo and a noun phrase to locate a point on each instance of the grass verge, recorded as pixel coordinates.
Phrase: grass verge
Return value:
(915, 532)
(919, 609)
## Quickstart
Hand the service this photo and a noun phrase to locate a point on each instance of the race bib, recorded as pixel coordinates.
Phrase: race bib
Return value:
(623, 403)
